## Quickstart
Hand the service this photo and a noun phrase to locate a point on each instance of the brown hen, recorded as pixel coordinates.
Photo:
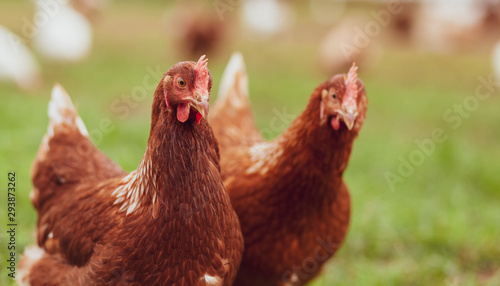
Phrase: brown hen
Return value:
(293, 205)
(170, 222)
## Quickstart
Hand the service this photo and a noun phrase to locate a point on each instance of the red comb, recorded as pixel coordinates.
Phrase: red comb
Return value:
(351, 86)
(202, 63)
(201, 71)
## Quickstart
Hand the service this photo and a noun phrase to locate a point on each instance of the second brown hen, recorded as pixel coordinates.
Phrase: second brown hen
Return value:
(289, 194)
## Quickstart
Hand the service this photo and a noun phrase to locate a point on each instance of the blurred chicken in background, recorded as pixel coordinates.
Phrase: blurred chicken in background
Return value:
(65, 36)
(346, 43)
(401, 23)
(196, 29)
(492, 15)
(59, 31)
(445, 26)
(17, 64)
(440, 26)
(266, 18)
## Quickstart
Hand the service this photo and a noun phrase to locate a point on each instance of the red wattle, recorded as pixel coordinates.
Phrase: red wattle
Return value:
(183, 112)
(198, 117)
(335, 123)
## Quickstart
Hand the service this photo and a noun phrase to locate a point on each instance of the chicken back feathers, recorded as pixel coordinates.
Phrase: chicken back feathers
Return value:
(170, 222)
(293, 205)
(232, 112)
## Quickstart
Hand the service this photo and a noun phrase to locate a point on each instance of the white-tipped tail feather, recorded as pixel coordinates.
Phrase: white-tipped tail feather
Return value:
(232, 117)
(233, 91)
(61, 111)
(31, 255)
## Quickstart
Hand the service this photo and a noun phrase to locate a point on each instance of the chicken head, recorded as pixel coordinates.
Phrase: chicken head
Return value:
(340, 100)
(186, 90)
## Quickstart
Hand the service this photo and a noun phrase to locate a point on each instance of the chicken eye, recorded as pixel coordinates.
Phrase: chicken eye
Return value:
(181, 82)
(334, 95)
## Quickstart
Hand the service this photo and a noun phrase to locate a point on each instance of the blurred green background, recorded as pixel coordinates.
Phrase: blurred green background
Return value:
(437, 226)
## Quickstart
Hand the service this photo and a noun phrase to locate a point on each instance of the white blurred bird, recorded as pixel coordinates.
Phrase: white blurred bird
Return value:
(266, 18)
(17, 64)
(65, 36)
(496, 60)
(446, 26)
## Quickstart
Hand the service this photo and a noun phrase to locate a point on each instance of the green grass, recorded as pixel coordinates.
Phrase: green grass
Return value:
(438, 227)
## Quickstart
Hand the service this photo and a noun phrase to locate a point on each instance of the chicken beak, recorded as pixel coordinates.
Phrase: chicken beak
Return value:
(349, 120)
(200, 106)
(349, 117)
